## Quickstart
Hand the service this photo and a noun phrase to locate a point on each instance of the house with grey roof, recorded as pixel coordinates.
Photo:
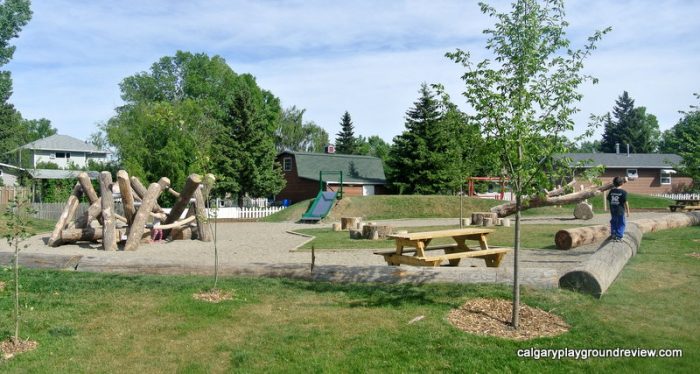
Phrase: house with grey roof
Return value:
(64, 151)
(9, 174)
(306, 173)
(648, 173)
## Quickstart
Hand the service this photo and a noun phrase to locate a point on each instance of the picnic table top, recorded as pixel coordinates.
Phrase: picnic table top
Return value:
(441, 233)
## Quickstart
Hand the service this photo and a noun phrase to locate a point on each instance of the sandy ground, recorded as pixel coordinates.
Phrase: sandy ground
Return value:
(257, 243)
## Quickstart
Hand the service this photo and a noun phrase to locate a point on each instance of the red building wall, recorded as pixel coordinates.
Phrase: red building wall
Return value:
(648, 181)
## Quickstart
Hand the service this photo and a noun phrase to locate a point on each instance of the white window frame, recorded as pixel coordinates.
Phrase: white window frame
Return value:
(668, 178)
(632, 175)
(287, 164)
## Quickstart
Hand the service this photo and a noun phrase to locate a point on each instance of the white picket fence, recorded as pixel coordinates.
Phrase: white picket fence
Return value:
(239, 213)
(679, 196)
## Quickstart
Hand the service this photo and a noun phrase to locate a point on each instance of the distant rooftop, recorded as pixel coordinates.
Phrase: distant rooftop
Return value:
(62, 143)
(355, 168)
(623, 160)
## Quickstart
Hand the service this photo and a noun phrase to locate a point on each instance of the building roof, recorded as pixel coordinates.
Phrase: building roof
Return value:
(624, 160)
(356, 169)
(62, 143)
(59, 174)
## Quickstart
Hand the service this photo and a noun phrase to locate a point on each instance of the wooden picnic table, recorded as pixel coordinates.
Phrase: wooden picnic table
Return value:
(685, 204)
(417, 243)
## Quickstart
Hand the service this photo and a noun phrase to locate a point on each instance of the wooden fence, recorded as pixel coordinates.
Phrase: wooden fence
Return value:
(8, 193)
(52, 211)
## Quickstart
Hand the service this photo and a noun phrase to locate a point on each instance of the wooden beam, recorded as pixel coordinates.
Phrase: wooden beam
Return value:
(86, 184)
(109, 238)
(141, 191)
(127, 196)
(136, 230)
(66, 216)
(191, 185)
(203, 228)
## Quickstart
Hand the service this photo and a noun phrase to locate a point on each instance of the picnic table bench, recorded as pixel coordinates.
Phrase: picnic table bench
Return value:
(685, 204)
(417, 243)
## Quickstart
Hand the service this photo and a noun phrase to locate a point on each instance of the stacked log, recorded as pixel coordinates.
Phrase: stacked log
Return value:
(347, 223)
(478, 217)
(70, 230)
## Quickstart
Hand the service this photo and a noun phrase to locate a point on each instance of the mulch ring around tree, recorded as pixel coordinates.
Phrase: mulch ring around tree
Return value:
(694, 254)
(9, 348)
(492, 317)
(213, 296)
(2, 286)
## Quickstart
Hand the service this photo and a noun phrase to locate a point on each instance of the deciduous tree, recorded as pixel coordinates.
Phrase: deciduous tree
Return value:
(524, 95)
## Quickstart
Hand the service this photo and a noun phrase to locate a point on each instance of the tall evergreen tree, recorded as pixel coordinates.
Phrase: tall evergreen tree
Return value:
(632, 126)
(345, 141)
(426, 157)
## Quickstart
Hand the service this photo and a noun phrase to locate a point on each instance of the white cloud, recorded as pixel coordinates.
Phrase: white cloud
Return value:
(366, 57)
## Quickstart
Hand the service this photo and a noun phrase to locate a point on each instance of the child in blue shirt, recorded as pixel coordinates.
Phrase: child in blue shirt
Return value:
(619, 207)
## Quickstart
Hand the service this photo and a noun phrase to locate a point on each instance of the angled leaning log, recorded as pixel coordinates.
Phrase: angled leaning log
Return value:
(66, 216)
(140, 191)
(137, 228)
(109, 234)
(95, 209)
(203, 230)
(191, 185)
(127, 196)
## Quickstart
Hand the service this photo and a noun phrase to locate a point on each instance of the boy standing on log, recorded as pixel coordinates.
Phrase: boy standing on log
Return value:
(619, 207)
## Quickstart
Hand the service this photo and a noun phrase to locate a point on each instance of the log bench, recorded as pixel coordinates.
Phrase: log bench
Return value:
(683, 208)
(418, 246)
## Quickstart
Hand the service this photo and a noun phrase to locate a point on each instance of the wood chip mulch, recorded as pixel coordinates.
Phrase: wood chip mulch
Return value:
(9, 349)
(492, 317)
(2, 286)
(213, 296)
(694, 254)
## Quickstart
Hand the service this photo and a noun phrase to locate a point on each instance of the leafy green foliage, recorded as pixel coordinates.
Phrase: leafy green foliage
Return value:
(632, 126)
(193, 114)
(682, 139)
(428, 157)
(345, 141)
(294, 134)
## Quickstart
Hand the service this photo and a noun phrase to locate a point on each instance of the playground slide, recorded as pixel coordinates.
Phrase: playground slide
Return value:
(320, 207)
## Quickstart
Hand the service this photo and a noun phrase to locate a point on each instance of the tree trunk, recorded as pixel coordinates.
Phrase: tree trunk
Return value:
(109, 238)
(137, 228)
(66, 216)
(203, 230)
(575, 237)
(191, 185)
(507, 209)
(478, 217)
(515, 320)
(127, 196)
(86, 184)
(140, 191)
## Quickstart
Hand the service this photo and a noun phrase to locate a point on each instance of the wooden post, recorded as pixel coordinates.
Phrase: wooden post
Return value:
(140, 190)
(109, 235)
(127, 196)
(66, 216)
(347, 223)
(86, 184)
(203, 231)
(137, 228)
(191, 185)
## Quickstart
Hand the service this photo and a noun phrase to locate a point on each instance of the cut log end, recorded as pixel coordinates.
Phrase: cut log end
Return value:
(581, 281)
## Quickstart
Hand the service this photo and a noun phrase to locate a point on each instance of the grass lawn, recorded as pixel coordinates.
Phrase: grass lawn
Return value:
(538, 236)
(88, 323)
(422, 206)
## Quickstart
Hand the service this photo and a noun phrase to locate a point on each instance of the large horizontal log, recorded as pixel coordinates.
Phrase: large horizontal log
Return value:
(598, 272)
(575, 237)
(88, 234)
(507, 209)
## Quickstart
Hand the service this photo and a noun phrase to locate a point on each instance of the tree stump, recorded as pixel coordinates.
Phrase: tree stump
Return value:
(583, 211)
(478, 217)
(376, 232)
(347, 223)
(487, 221)
(337, 226)
(355, 234)
(506, 222)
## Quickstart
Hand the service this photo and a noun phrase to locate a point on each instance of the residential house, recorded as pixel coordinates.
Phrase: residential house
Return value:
(362, 175)
(9, 174)
(648, 173)
(64, 151)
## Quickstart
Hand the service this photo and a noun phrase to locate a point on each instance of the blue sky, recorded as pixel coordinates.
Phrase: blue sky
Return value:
(366, 57)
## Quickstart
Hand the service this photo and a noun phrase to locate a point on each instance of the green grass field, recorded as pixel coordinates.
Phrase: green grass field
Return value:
(88, 323)
(538, 236)
(418, 206)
